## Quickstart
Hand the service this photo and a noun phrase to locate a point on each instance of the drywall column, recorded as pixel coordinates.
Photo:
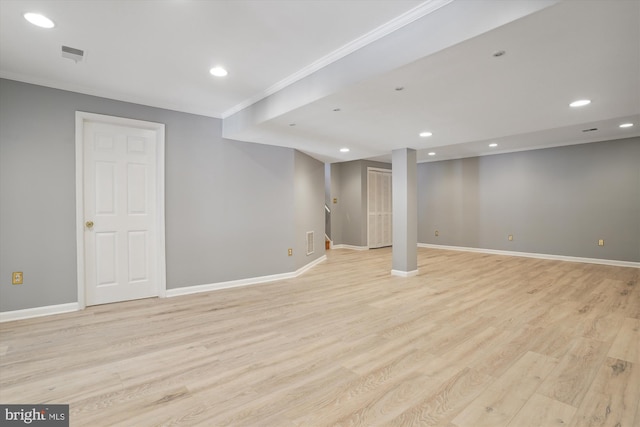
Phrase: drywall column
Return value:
(405, 212)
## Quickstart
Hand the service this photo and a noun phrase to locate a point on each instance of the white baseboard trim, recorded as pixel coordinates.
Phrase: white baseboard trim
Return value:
(28, 313)
(188, 290)
(309, 266)
(196, 289)
(613, 262)
(400, 273)
(354, 248)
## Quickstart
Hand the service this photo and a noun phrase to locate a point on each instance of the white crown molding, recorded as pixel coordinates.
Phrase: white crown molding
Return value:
(406, 18)
(613, 262)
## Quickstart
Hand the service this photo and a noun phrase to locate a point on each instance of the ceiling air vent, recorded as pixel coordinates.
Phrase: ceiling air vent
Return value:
(72, 53)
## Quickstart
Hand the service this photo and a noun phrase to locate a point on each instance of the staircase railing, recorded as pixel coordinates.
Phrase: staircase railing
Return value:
(327, 222)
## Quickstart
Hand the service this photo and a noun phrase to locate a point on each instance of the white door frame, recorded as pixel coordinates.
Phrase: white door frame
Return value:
(81, 118)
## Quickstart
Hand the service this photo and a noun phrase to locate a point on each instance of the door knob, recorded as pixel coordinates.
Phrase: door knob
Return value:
(89, 224)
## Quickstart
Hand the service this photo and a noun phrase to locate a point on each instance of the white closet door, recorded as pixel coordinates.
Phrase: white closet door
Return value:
(379, 206)
(387, 208)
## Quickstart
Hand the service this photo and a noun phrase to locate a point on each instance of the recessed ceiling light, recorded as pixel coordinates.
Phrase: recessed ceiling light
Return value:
(499, 53)
(218, 72)
(626, 125)
(292, 124)
(580, 103)
(344, 150)
(336, 109)
(493, 145)
(39, 20)
(432, 153)
(399, 88)
(425, 134)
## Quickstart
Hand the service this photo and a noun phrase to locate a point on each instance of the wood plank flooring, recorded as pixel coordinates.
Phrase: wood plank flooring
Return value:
(473, 340)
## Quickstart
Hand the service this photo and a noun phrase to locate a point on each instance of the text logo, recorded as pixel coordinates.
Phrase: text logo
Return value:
(34, 415)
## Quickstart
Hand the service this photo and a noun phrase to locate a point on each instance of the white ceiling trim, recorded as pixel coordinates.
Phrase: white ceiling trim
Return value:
(406, 18)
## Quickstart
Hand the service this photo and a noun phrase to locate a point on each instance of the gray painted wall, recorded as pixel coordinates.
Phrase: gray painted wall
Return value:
(327, 198)
(230, 207)
(334, 191)
(557, 201)
(349, 215)
(229, 210)
(309, 208)
(349, 205)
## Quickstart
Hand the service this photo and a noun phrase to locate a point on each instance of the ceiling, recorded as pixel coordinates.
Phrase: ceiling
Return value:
(369, 75)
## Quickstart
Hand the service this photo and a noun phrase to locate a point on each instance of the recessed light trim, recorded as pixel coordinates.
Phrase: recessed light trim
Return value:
(344, 150)
(425, 134)
(626, 125)
(432, 153)
(218, 71)
(493, 144)
(580, 103)
(39, 20)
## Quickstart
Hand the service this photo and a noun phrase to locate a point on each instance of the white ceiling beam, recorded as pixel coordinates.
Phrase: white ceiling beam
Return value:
(450, 23)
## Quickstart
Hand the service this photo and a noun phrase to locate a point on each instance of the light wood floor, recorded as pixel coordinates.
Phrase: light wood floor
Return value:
(474, 340)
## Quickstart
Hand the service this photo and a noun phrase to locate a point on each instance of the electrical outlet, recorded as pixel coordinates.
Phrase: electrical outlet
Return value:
(290, 251)
(437, 233)
(16, 278)
(510, 237)
(601, 242)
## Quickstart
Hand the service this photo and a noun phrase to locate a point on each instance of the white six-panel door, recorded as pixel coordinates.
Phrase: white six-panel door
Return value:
(379, 207)
(120, 213)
